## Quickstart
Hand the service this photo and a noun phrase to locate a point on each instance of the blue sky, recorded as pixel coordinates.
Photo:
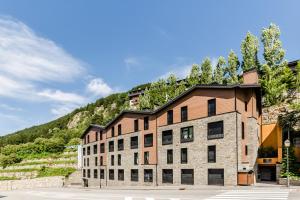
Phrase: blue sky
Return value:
(58, 55)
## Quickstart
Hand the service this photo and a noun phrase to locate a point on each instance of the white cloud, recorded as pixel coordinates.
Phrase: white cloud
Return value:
(10, 108)
(59, 96)
(98, 87)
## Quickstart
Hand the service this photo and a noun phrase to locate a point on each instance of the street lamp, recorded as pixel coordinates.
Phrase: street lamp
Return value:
(287, 144)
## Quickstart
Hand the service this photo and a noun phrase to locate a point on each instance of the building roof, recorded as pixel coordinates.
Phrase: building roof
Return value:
(292, 65)
(91, 126)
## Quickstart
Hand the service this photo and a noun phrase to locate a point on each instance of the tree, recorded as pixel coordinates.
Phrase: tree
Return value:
(145, 100)
(172, 85)
(206, 71)
(249, 49)
(231, 73)
(293, 168)
(181, 87)
(219, 70)
(193, 78)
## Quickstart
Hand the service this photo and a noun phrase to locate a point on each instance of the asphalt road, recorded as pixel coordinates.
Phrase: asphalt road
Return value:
(206, 194)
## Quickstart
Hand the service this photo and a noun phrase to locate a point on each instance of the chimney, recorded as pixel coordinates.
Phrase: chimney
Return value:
(250, 77)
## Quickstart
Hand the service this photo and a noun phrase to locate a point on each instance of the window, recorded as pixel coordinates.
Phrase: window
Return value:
(246, 105)
(111, 146)
(187, 134)
(215, 130)
(88, 151)
(134, 142)
(211, 155)
(187, 176)
(95, 148)
(87, 162)
(101, 135)
(170, 117)
(167, 137)
(96, 161)
(215, 176)
(111, 175)
(136, 158)
(211, 107)
(112, 160)
(89, 173)
(246, 150)
(184, 156)
(121, 174)
(146, 158)
(148, 140)
(134, 175)
(184, 114)
(112, 131)
(95, 173)
(83, 173)
(84, 162)
(101, 173)
(101, 160)
(88, 139)
(146, 123)
(120, 144)
(136, 125)
(243, 130)
(148, 175)
(167, 175)
(119, 129)
(169, 156)
(83, 151)
(119, 159)
(102, 147)
(96, 136)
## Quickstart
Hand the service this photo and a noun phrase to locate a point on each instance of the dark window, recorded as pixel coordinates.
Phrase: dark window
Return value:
(121, 174)
(184, 156)
(119, 129)
(170, 117)
(211, 107)
(211, 154)
(146, 123)
(169, 156)
(184, 114)
(111, 174)
(148, 140)
(83, 151)
(215, 176)
(215, 130)
(96, 136)
(101, 160)
(146, 158)
(88, 151)
(246, 105)
(167, 175)
(89, 173)
(112, 160)
(119, 159)
(96, 161)
(102, 147)
(120, 144)
(101, 135)
(88, 139)
(187, 176)
(95, 148)
(148, 175)
(112, 131)
(83, 173)
(134, 142)
(167, 137)
(111, 146)
(243, 130)
(83, 162)
(136, 125)
(134, 175)
(95, 173)
(246, 150)
(187, 134)
(136, 158)
(87, 162)
(102, 173)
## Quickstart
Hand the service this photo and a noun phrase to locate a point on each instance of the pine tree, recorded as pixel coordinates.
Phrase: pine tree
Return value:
(145, 101)
(231, 71)
(219, 70)
(249, 49)
(193, 78)
(206, 72)
(172, 85)
(181, 87)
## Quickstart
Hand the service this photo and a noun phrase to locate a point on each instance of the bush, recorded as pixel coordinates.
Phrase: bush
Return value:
(46, 171)
(6, 178)
(9, 160)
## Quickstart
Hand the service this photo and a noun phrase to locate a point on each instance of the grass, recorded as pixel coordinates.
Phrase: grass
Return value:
(46, 171)
(6, 178)
(19, 170)
(46, 162)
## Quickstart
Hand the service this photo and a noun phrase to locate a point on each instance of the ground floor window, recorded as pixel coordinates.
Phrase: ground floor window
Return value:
(167, 175)
(111, 174)
(148, 175)
(89, 173)
(215, 176)
(134, 175)
(95, 173)
(102, 173)
(121, 174)
(83, 173)
(187, 176)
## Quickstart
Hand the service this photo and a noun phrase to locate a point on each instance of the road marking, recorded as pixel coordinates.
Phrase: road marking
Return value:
(252, 194)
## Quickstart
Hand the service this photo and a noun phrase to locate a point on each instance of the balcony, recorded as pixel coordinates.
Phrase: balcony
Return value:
(267, 161)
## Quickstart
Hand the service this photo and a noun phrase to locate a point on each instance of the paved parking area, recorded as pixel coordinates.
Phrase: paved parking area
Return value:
(105, 194)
